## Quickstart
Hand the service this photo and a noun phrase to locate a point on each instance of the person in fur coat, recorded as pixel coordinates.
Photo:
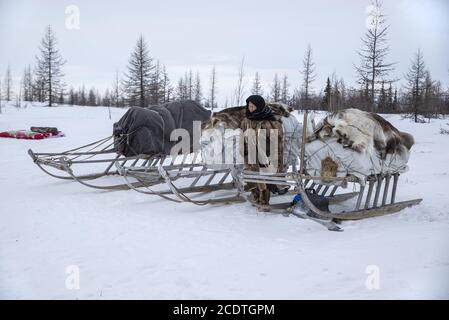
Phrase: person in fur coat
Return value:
(259, 116)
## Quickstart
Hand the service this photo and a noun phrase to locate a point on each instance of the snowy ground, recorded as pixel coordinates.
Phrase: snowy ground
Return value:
(129, 245)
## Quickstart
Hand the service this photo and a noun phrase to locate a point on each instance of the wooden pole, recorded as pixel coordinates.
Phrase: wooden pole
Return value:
(303, 142)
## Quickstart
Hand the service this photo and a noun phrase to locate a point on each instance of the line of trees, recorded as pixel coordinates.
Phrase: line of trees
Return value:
(45, 82)
(146, 82)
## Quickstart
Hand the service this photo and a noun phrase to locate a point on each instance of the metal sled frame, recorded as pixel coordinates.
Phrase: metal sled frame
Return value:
(98, 152)
(145, 170)
(203, 180)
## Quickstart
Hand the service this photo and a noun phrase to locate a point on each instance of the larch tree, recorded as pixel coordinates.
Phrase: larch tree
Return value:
(48, 72)
(189, 81)
(82, 96)
(240, 87)
(92, 97)
(72, 98)
(197, 90)
(430, 94)
(308, 72)
(373, 67)
(61, 97)
(327, 99)
(184, 90)
(137, 81)
(8, 85)
(416, 80)
(275, 95)
(27, 84)
(166, 86)
(212, 99)
(155, 94)
(116, 92)
(285, 94)
(257, 85)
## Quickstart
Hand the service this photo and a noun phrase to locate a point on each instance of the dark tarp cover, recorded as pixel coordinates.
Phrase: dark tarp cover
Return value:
(147, 130)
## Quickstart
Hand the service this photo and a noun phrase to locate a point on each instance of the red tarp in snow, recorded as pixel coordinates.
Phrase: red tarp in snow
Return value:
(28, 134)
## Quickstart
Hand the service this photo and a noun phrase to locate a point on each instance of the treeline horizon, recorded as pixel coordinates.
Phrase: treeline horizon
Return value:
(146, 82)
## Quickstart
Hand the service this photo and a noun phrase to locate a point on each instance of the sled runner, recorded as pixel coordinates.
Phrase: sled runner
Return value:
(195, 176)
(99, 154)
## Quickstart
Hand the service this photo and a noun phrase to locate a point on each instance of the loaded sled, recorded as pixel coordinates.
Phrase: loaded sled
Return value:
(188, 178)
(140, 139)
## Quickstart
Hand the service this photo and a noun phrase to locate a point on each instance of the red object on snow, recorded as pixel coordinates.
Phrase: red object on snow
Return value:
(29, 135)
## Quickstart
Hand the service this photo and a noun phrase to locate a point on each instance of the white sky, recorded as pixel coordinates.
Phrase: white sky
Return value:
(195, 34)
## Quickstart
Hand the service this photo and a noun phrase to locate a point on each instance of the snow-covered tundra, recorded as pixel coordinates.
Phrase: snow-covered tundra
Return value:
(61, 240)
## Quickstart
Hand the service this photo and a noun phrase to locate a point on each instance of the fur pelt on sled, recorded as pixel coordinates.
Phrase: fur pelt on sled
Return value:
(364, 132)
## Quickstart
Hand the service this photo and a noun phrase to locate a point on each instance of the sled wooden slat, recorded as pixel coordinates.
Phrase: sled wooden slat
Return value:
(387, 185)
(378, 187)
(395, 184)
(370, 191)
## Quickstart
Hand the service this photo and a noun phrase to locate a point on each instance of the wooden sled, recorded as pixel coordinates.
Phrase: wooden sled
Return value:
(64, 165)
(376, 196)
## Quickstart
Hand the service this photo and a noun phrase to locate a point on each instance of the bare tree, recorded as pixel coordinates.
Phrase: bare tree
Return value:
(137, 82)
(373, 69)
(61, 97)
(212, 103)
(416, 78)
(82, 96)
(182, 90)
(72, 98)
(185, 88)
(336, 93)
(327, 99)
(276, 89)
(382, 102)
(18, 100)
(431, 96)
(166, 87)
(27, 84)
(198, 94)
(308, 71)
(390, 99)
(116, 95)
(285, 94)
(189, 82)
(155, 92)
(49, 68)
(106, 101)
(240, 88)
(257, 85)
(91, 98)
(8, 85)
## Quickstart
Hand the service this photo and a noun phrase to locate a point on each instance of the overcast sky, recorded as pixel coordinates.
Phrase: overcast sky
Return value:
(196, 34)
